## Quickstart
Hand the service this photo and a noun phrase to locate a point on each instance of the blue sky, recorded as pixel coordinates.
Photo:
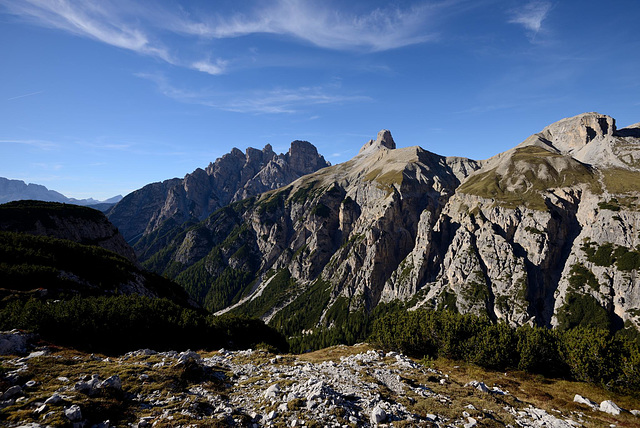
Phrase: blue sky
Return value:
(99, 98)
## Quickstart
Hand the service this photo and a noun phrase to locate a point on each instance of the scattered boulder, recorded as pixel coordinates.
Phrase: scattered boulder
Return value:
(88, 385)
(472, 422)
(378, 415)
(582, 400)
(480, 386)
(145, 421)
(272, 391)
(14, 342)
(53, 400)
(11, 393)
(40, 410)
(189, 356)
(37, 354)
(141, 353)
(73, 413)
(112, 382)
(271, 415)
(610, 407)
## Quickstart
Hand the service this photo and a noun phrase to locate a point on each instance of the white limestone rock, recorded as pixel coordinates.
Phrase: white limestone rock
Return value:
(582, 400)
(610, 407)
(73, 413)
(378, 415)
(273, 391)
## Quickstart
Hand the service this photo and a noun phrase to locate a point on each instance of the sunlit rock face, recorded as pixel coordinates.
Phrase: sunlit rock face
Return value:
(518, 237)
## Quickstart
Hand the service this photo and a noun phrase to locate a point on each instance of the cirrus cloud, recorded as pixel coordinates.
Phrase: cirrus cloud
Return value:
(317, 23)
(531, 15)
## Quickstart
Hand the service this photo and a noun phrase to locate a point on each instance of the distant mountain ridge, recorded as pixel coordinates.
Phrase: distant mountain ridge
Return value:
(16, 190)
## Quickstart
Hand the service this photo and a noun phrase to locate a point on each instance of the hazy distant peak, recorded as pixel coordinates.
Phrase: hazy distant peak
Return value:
(16, 190)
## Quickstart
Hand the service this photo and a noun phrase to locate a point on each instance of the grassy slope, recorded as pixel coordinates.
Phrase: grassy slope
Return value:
(521, 185)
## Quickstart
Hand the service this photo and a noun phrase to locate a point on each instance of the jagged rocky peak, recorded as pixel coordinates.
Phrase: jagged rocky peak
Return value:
(303, 157)
(384, 139)
(573, 133)
(234, 176)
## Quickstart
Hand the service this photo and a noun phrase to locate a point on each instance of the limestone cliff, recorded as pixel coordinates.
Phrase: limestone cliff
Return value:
(538, 226)
(543, 233)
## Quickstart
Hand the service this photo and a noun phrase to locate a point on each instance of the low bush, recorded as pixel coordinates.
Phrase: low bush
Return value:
(116, 324)
(587, 354)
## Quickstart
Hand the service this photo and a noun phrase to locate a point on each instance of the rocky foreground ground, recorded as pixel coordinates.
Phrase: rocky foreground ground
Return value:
(337, 387)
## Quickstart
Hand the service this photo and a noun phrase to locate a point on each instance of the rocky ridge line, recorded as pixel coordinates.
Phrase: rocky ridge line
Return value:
(232, 177)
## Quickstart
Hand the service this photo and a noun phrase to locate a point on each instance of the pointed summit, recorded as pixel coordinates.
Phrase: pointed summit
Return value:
(384, 139)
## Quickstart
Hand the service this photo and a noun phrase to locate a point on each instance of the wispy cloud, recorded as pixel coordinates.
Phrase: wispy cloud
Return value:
(40, 144)
(485, 108)
(93, 19)
(24, 96)
(43, 166)
(531, 16)
(319, 24)
(219, 67)
(287, 100)
(151, 30)
(277, 100)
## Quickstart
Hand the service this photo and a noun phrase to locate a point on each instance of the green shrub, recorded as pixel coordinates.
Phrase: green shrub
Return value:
(456, 334)
(586, 354)
(305, 311)
(627, 260)
(583, 310)
(116, 324)
(496, 347)
(538, 351)
(580, 276)
(321, 210)
(592, 355)
(611, 205)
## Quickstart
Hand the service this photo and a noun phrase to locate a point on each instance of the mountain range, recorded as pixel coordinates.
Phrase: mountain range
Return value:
(544, 233)
(16, 190)
(148, 214)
